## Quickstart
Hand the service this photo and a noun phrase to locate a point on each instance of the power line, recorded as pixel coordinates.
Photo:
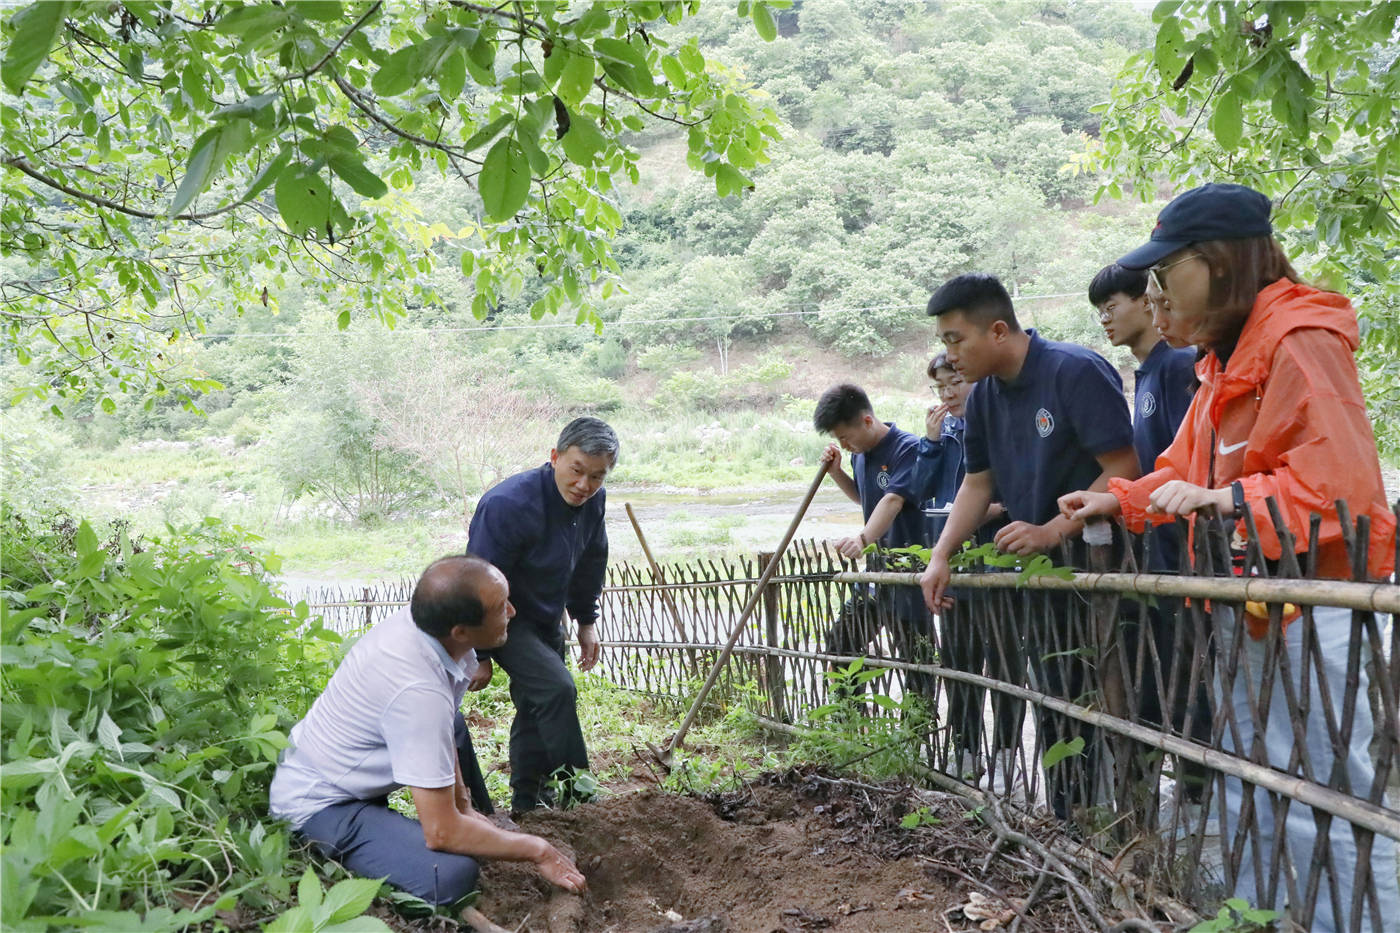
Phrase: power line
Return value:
(485, 328)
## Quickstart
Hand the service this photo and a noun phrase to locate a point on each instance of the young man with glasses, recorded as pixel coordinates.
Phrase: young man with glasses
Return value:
(1164, 384)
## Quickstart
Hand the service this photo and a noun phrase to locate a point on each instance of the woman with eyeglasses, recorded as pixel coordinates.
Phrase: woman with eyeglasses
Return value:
(1279, 414)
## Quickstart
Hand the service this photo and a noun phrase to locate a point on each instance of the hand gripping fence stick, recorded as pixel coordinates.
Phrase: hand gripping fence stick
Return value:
(663, 755)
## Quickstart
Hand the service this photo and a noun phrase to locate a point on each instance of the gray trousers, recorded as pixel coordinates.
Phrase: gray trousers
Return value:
(373, 841)
(1300, 836)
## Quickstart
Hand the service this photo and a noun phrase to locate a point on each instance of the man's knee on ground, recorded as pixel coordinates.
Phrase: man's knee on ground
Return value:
(454, 877)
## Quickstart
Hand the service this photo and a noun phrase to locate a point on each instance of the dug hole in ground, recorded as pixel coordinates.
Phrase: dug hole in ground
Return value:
(802, 850)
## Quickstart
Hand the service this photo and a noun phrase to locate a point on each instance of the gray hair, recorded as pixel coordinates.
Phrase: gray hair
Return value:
(590, 435)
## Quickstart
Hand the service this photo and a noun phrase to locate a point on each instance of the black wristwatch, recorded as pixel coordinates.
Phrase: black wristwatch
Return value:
(1237, 497)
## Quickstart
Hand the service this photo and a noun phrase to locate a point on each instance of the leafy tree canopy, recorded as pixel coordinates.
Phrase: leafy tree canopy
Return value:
(1296, 99)
(165, 158)
(1300, 100)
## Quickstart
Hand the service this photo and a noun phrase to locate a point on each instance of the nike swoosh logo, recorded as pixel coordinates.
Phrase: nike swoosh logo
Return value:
(1230, 449)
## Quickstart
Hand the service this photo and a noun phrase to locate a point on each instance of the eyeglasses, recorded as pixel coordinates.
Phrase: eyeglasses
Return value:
(1154, 273)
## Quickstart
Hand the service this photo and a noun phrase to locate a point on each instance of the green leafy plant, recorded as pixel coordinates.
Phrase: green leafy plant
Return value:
(297, 131)
(923, 816)
(146, 688)
(842, 732)
(1237, 916)
(339, 910)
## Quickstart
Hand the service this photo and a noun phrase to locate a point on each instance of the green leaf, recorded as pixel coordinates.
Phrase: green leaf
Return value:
(36, 29)
(1061, 750)
(296, 920)
(504, 180)
(198, 170)
(488, 132)
(86, 540)
(268, 174)
(1226, 120)
(398, 73)
(323, 10)
(303, 200)
(625, 65)
(452, 75)
(674, 71)
(309, 890)
(729, 180)
(763, 22)
(349, 898)
(358, 925)
(253, 18)
(353, 172)
(246, 108)
(575, 78)
(109, 734)
(583, 140)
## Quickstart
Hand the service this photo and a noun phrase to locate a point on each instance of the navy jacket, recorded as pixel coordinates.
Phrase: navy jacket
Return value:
(941, 465)
(554, 555)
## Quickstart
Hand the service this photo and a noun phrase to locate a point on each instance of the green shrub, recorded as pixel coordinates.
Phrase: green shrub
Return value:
(147, 687)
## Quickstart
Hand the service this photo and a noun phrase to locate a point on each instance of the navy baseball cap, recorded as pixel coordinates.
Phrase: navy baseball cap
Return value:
(1210, 212)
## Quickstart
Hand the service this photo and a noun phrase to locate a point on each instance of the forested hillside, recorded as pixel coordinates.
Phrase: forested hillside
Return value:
(919, 141)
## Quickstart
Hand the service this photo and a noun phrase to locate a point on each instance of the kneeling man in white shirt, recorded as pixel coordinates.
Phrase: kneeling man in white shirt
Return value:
(388, 719)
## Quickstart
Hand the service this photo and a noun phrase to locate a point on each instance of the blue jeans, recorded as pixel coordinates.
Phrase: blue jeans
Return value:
(1303, 849)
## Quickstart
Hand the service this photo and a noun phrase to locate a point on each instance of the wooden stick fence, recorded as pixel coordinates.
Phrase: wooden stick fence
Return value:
(1160, 715)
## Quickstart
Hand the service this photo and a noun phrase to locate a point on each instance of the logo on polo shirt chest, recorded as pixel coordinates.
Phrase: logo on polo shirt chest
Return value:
(882, 479)
(1149, 404)
(1044, 423)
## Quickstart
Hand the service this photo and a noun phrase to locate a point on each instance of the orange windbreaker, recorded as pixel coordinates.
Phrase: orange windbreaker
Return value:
(1288, 421)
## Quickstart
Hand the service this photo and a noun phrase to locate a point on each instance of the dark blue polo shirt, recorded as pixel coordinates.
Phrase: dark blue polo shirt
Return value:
(1040, 433)
(1163, 387)
(892, 466)
(553, 554)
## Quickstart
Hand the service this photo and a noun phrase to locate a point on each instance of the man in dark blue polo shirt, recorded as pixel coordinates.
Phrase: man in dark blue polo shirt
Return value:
(886, 485)
(544, 529)
(1043, 418)
(1165, 382)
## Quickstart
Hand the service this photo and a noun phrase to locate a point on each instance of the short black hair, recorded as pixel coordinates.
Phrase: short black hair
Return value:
(840, 404)
(591, 435)
(448, 594)
(1112, 279)
(939, 362)
(979, 295)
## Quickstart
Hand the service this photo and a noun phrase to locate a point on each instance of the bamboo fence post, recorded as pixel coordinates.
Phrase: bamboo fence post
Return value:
(1109, 652)
(772, 665)
(665, 595)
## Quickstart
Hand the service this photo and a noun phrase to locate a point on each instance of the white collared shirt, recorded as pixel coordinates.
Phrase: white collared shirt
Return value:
(384, 721)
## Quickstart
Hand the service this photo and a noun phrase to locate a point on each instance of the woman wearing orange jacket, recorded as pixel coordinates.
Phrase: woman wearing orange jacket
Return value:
(1279, 414)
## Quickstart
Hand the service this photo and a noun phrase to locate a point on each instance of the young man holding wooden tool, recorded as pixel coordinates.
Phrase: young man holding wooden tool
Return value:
(885, 483)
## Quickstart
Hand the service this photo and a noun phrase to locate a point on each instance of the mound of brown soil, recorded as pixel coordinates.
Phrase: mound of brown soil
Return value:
(795, 852)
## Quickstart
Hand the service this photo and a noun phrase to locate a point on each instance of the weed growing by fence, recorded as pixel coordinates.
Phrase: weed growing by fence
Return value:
(146, 689)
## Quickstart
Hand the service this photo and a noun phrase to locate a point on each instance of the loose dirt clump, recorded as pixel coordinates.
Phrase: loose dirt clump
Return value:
(787, 853)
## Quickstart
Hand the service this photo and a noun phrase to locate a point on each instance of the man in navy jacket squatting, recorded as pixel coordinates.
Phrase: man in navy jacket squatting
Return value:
(544, 529)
